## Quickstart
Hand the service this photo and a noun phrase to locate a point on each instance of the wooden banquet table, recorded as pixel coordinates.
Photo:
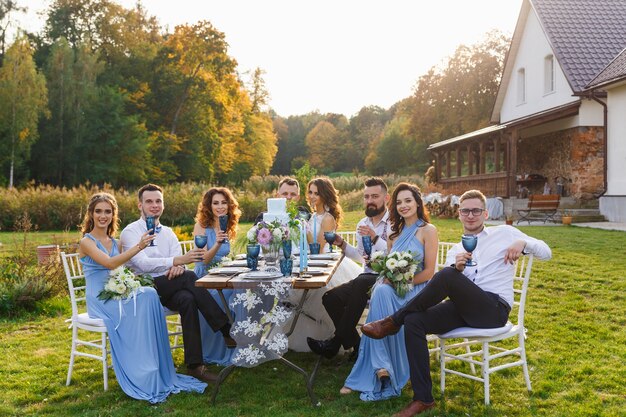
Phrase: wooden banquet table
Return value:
(226, 279)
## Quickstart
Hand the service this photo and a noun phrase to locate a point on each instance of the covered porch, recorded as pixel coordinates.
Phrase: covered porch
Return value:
(510, 160)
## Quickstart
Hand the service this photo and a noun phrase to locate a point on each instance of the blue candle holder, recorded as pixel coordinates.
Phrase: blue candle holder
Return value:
(315, 248)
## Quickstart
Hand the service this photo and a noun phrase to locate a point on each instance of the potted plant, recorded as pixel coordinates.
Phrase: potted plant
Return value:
(566, 217)
(509, 219)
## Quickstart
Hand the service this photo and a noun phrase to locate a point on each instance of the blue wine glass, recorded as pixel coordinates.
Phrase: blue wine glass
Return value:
(330, 238)
(200, 241)
(287, 248)
(367, 245)
(314, 248)
(252, 255)
(223, 225)
(469, 244)
(151, 225)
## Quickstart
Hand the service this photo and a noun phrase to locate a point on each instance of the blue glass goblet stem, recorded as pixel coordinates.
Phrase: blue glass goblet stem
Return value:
(469, 244)
(151, 226)
(223, 225)
(367, 245)
(330, 238)
(315, 248)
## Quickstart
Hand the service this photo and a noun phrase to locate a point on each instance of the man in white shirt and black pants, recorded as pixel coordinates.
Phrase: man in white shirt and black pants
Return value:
(479, 296)
(345, 303)
(175, 284)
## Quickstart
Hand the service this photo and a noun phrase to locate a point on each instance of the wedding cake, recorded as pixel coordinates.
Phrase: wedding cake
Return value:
(276, 210)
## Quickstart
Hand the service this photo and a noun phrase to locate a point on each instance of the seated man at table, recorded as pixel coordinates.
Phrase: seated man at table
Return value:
(288, 188)
(173, 282)
(479, 296)
(345, 303)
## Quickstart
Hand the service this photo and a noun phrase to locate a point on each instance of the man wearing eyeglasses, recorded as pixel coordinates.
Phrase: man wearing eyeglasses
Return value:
(480, 296)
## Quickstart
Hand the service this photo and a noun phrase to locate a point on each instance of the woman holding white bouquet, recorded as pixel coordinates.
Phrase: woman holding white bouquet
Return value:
(132, 313)
(382, 369)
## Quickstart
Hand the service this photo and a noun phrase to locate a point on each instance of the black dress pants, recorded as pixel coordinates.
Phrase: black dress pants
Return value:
(345, 305)
(181, 294)
(427, 313)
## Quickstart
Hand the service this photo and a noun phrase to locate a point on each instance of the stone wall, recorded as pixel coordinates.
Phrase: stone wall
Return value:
(575, 155)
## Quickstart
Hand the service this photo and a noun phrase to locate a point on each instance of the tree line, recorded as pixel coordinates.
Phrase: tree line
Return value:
(105, 94)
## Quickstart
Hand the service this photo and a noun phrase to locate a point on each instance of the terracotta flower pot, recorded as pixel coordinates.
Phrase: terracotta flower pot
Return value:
(566, 220)
(509, 222)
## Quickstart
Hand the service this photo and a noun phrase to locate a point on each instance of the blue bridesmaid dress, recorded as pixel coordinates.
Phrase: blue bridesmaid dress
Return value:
(140, 348)
(388, 353)
(214, 349)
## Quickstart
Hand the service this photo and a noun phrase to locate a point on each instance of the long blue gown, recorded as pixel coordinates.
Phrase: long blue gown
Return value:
(388, 353)
(214, 349)
(140, 348)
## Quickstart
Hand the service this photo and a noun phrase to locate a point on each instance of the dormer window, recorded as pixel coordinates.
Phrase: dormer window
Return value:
(548, 74)
(521, 86)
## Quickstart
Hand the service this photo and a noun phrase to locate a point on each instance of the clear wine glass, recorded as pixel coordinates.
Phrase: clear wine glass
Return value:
(151, 225)
(223, 225)
(469, 244)
(330, 238)
(200, 241)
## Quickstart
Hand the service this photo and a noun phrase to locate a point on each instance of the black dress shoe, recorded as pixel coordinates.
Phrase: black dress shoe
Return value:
(327, 348)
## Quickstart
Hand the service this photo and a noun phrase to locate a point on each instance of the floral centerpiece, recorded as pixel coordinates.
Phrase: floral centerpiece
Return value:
(123, 283)
(270, 236)
(398, 268)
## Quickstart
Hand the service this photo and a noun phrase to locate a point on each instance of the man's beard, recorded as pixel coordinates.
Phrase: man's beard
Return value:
(372, 211)
(145, 215)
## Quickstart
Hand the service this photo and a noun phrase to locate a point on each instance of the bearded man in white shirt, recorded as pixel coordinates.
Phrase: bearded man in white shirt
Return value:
(174, 283)
(479, 296)
(345, 303)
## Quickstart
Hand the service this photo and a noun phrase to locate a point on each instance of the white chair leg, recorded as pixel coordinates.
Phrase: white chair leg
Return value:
(71, 367)
(486, 370)
(105, 367)
(468, 350)
(524, 362)
(442, 362)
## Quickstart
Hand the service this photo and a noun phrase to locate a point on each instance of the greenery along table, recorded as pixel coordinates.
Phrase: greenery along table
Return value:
(259, 311)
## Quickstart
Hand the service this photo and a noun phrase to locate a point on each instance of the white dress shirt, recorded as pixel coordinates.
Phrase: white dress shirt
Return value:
(382, 229)
(492, 274)
(153, 260)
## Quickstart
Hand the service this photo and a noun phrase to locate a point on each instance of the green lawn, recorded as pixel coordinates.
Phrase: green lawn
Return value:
(576, 320)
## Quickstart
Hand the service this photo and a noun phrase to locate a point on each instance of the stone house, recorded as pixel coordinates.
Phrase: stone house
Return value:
(549, 123)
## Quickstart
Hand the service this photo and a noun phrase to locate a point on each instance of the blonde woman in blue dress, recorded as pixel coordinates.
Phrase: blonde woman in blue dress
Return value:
(140, 349)
(327, 215)
(382, 367)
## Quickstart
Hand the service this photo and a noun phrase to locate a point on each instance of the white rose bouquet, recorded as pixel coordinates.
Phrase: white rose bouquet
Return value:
(123, 283)
(397, 267)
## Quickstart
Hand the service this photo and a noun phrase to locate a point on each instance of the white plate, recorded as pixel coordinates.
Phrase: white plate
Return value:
(317, 262)
(236, 263)
(260, 275)
(228, 271)
(333, 256)
(243, 256)
(312, 271)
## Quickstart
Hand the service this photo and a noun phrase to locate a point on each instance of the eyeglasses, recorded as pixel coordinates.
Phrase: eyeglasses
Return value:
(475, 211)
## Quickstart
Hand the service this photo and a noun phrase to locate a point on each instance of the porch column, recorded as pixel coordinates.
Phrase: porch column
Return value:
(512, 171)
(470, 160)
(458, 161)
(496, 156)
(437, 167)
(447, 163)
(481, 158)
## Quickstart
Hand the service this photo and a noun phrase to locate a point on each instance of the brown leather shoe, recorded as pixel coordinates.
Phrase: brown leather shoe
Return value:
(380, 328)
(202, 373)
(230, 342)
(416, 407)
